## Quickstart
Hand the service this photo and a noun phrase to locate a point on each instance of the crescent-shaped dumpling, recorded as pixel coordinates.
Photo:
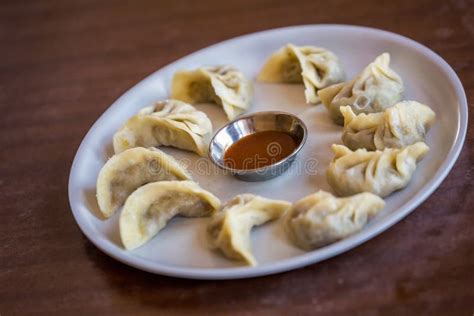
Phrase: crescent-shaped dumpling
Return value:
(403, 124)
(380, 172)
(168, 123)
(223, 85)
(125, 172)
(374, 89)
(316, 67)
(321, 218)
(150, 207)
(229, 230)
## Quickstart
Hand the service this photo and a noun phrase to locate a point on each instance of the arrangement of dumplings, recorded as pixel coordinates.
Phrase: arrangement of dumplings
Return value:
(150, 207)
(383, 140)
(127, 171)
(401, 125)
(229, 229)
(316, 67)
(376, 88)
(380, 172)
(166, 123)
(223, 85)
(321, 218)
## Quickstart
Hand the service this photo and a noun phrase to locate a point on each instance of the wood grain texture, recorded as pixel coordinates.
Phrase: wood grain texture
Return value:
(64, 62)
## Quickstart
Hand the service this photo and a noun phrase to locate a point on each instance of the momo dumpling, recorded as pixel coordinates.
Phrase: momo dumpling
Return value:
(125, 172)
(403, 124)
(379, 172)
(316, 67)
(150, 207)
(229, 230)
(223, 85)
(168, 123)
(321, 218)
(376, 88)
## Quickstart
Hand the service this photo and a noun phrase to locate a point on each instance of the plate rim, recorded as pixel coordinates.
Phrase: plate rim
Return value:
(309, 257)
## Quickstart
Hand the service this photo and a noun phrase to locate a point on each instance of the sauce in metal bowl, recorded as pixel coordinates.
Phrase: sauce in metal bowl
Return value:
(259, 150)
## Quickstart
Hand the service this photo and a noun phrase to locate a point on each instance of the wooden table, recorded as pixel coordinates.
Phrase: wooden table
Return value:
(64, 62)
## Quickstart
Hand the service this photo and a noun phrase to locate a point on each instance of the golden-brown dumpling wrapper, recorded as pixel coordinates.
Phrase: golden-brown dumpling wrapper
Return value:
(378, 172)
(229, 230)
(223, 85)
(166, 123)
(376, 88)
(321, 218)
(150, 207)
(316, 67)
(125, 172)
(403, 124)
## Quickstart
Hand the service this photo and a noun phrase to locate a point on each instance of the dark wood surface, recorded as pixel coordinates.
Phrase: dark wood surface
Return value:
(64, 62)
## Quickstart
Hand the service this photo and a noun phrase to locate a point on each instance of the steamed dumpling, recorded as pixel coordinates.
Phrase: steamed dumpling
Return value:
(379, 172)
(401, 125)
(376, 88)
(321, 218)
(229, 230)
(223, 85)
(168, 123)
(130, 169)
(316, 67)
(150, 207)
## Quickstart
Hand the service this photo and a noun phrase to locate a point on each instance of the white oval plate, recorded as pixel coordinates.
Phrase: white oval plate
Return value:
(179, 250)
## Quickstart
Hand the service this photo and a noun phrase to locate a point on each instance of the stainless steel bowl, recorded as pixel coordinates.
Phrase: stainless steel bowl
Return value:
(250, 124)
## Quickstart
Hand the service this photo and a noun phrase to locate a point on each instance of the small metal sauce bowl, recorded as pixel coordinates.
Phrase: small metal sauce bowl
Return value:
(250, 124)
